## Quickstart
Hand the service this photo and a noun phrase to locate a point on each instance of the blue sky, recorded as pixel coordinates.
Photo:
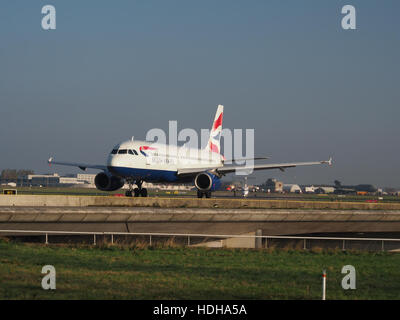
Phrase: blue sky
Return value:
(115, 69)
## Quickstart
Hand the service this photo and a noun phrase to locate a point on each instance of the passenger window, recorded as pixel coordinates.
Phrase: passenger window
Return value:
(135, 152)
(130, 151)
(122, 151)
(114, 151)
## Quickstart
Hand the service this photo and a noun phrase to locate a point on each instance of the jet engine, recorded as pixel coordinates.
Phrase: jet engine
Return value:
(106, 182)
(206, 181)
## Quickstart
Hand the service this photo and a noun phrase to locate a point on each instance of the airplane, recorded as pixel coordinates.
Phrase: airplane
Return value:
(367, 188)
(136, 161)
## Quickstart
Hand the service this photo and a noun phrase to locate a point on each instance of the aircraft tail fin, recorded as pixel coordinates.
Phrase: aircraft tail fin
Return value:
(213, 143)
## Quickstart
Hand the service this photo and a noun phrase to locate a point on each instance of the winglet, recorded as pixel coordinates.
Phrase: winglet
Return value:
(328, 162)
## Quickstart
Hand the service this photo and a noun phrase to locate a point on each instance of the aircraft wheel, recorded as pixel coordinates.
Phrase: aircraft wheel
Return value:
(128, 193)
(143, 192)
(136, 192)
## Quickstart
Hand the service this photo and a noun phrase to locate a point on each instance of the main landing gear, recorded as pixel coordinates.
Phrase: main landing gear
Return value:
(136, 192)
(200, 194)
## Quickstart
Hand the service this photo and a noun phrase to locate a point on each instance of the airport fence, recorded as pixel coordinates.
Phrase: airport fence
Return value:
(260, 241)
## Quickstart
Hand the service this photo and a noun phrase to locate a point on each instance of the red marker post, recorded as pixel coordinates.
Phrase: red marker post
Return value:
(323, 285)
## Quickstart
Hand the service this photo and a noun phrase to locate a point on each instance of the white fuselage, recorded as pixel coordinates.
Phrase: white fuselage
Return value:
(158, 162)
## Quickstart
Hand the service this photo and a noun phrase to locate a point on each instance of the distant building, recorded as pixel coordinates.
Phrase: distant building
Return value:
(324, 189)
(51, 180)
(292, 188)
(86, 178)
(43, 180)
(273, 185)
(87, 181)
(361, 189)
(10, 184)
(308, 189)
(70, 180)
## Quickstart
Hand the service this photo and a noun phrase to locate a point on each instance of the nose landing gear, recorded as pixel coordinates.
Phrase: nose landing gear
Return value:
(136, 192)
(200, 194)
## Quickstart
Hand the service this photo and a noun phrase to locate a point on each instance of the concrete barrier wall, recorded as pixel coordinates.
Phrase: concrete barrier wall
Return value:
(197, 220)
(187, 215)
(101, 201)
(246, 243)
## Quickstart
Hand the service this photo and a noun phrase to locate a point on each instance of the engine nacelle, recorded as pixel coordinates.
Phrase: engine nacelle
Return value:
(206, 181)
(105, 182)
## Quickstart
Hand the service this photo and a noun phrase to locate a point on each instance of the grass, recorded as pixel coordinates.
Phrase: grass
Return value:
(172, 272)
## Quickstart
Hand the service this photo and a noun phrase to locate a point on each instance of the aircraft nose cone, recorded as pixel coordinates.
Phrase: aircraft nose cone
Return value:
(112, 161)
(113, 164)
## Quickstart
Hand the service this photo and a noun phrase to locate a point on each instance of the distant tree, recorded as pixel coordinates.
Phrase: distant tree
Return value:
(24, 172)
(12, 174)
(390, 190)
(338, 184)
(8, 174)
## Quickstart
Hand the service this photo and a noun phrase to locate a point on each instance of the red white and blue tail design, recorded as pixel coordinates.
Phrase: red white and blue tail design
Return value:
(142, 150)
(213, 144)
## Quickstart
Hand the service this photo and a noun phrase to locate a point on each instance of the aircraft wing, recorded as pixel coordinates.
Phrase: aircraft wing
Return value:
(280, 166)
(243, 159)
(229, 169)
(82, 166)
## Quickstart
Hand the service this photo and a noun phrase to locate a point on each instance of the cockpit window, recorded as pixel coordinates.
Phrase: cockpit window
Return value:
(114, 151)
(122, 151)
(132, 152)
